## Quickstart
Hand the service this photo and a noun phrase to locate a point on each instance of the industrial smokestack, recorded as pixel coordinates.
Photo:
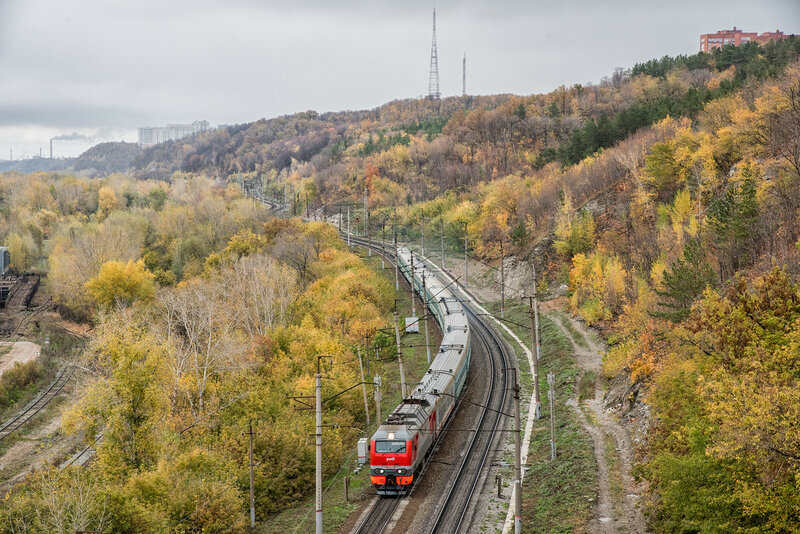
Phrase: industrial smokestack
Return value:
(51, 149)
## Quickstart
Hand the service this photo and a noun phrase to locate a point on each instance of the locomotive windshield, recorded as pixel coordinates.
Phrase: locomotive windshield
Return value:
(390, 447)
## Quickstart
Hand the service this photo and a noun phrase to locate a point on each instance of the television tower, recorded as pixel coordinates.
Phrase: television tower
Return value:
(433, 78)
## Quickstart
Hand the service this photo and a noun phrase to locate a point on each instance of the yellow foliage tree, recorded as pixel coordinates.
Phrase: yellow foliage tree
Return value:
(121, 283)
(106, 203)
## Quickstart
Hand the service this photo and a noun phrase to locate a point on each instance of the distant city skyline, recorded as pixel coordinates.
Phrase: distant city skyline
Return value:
(100, 70)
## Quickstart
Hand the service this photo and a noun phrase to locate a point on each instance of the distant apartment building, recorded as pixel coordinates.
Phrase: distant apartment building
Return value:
(736, 37)
(150, 136)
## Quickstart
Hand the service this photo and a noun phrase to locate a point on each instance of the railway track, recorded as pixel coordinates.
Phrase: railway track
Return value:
(37, 404)
(453, 514)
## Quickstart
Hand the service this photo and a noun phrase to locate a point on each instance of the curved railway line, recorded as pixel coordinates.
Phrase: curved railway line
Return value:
(37, 404)
(24, 296)
(453, 513)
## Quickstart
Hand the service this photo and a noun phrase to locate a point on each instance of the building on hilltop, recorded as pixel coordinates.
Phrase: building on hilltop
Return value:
(150, 136)
(736, 37)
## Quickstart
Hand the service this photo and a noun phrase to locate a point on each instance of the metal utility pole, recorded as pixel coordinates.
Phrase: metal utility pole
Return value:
(536, 314)
(425, 316)
(551, 394)
(399, 352)
(517, 461)
(252, 483)
(348, 228)
(363, 384)
(413, 300)
(442, 236)
(318, 499)
(502, 283)
(396, 253)
(466, 259)
(366, 223)
(538, 410)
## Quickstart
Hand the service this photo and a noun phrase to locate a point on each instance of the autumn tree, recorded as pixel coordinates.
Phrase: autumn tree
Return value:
(121, 283)
(128, 401)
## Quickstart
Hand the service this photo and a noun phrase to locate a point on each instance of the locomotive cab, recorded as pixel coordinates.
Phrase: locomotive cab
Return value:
(393, 455)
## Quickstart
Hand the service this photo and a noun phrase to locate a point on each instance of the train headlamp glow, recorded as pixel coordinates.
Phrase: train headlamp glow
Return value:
(391, 435)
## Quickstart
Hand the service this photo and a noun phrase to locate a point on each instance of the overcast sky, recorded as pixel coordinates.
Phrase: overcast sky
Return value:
(104, 67)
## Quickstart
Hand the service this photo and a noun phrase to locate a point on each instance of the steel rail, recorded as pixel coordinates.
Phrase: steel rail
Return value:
(38, 403)
(378, 517)
(463, 488)
(453, 511)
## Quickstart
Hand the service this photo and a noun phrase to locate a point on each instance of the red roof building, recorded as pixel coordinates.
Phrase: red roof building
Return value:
(736, 37)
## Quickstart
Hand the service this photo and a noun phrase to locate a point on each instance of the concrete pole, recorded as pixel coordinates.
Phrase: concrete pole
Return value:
(376, 380)
(252, 483)
(348, 227)
(423, 231)
(536, 314)
(466, 259)
(363, 384)
(502, 283)
(538, 409)
(413, 300)
(366, 222)
(318, 499)
(425, 316)
(396, 253)
(383, 245)
(551, 394)
(442, 236)
(399, 353)
(517, 461)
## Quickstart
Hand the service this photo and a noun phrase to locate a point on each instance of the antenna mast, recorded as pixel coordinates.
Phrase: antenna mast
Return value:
(433, 77)
(464, 76)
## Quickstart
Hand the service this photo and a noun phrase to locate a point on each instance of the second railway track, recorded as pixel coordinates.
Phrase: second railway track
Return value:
(454, 512)
(27, 413)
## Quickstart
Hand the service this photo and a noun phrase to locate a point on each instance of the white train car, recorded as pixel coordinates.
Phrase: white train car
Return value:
(399, 446)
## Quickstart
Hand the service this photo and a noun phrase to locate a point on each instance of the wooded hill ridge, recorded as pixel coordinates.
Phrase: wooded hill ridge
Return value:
(666, 197)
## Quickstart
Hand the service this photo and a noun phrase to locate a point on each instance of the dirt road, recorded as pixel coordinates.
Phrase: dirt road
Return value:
(21, 351)
(617, 508)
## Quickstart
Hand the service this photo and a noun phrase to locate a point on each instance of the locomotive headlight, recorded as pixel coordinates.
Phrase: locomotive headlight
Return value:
(391, 435)
(381, 471)
(401, 471)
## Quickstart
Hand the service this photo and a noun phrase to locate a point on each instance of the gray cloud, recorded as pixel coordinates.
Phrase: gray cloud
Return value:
(92, 63)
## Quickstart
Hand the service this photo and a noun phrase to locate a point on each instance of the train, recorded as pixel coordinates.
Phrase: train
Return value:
(400, 445)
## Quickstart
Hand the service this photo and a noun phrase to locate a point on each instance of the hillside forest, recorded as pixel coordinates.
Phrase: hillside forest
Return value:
(666, 198)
